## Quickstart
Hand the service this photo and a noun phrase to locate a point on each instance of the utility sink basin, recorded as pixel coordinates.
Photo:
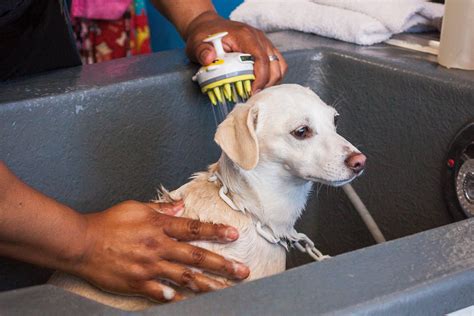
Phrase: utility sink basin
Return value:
(96, 135)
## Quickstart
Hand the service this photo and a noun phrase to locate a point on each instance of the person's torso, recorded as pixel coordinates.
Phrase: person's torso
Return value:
(35, 36)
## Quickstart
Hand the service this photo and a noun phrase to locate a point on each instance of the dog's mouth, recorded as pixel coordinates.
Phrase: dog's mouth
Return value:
(333, 183)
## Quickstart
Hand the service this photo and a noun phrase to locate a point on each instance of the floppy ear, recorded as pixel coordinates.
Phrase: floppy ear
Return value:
(236, 136)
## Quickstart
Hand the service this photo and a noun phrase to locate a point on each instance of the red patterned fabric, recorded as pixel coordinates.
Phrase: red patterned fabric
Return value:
(102, 40)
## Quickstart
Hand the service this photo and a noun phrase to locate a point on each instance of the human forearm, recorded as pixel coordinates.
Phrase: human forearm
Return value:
(182, 12)
(126, 248)
(35, 228)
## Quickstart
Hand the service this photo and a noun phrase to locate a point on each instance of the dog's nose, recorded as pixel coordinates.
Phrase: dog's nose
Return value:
(356, 162)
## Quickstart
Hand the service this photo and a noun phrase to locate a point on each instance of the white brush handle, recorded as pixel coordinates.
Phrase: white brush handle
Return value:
(216, 40)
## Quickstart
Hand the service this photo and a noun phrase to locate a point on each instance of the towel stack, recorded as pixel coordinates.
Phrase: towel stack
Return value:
(364, 22)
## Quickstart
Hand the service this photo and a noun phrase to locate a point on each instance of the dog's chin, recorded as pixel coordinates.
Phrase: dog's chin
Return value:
(339, 183)
(333, 183)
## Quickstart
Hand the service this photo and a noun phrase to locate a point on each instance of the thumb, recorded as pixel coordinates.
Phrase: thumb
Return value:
(205, 54)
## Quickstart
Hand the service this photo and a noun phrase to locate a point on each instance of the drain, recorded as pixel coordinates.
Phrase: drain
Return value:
(459, 181)
(465, 187)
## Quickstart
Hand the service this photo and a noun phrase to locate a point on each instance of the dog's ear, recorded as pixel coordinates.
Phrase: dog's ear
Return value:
(236, 136)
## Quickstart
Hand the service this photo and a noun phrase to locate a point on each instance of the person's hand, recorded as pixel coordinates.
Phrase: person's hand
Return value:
(241, 38)
(132, 246)
(125, 249)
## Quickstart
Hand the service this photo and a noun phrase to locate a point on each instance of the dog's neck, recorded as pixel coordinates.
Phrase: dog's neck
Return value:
(271, 194)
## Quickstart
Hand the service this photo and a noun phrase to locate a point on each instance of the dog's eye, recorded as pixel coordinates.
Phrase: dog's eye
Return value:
(336, 119)
(302, 132)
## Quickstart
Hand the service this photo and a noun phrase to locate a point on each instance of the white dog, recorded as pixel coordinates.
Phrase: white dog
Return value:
(274, 147)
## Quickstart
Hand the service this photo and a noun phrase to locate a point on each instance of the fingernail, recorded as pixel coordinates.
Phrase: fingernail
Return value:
(241, 270)
(217, 286)
(231, 234)
(168, 293)
(177, 208)
(203, 55)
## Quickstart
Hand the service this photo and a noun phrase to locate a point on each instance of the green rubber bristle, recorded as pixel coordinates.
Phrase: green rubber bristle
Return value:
(248, 87)
(217, 92)
(228, 92)
(212, 97)
(236, 92)
(240, 89)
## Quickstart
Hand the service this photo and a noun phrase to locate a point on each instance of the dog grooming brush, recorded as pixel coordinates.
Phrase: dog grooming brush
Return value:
(227, 80)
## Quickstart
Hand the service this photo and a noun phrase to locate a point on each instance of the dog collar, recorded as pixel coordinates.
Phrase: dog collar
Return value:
(297, 240)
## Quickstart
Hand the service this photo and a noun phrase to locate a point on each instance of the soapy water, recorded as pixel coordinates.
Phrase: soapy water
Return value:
(222, 109)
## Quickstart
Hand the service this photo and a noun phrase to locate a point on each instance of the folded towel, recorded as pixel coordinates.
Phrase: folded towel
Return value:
(396, 15)
(364, 22)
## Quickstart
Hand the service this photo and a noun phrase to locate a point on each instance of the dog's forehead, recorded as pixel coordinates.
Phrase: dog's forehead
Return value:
(292, 102)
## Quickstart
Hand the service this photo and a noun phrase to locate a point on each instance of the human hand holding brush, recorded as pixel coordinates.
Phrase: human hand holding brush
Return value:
(197, 19)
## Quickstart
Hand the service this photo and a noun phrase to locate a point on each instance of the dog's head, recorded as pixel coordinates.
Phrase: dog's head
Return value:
(291, 127)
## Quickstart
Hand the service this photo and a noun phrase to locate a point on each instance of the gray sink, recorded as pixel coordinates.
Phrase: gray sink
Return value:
(95, 135)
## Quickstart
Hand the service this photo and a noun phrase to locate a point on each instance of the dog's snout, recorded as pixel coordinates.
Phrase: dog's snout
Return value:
(356, 162)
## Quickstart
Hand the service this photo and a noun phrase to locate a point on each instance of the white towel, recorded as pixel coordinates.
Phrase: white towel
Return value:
(363, 22)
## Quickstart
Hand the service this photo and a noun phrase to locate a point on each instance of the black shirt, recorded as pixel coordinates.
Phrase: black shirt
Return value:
(35, 36)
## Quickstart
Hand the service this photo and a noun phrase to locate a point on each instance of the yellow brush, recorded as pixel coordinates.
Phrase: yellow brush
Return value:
(227, 79)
